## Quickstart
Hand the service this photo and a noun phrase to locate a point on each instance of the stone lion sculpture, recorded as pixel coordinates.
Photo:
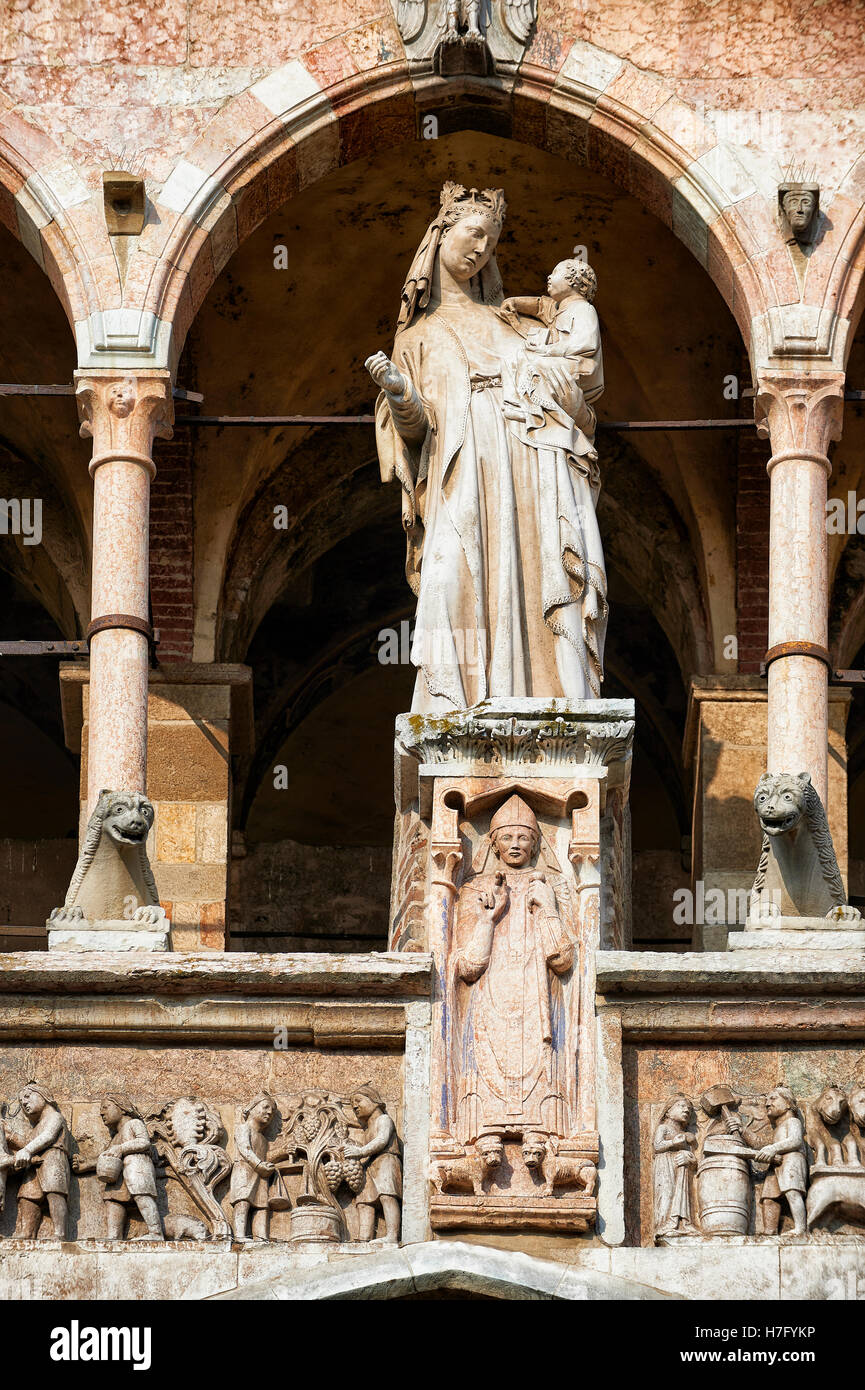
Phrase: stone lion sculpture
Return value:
(113, 880)
(797, 875)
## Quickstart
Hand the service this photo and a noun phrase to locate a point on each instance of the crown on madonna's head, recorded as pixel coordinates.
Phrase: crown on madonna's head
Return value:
(458, 201)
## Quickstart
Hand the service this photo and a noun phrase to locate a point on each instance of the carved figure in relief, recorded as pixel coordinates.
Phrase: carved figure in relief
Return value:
(511, 1029)
(788, 1175)
(251, 1172)
(541, 1156)
(560, 369)
(797, 875)
(674, 1159)
(462, 22)
(380, 1155)
(178, 1226)
(837, 1186)
(826, 1130)
(7, 1158)
(125, 1168)
(186, 1133)
(43, 1159)
(856, 1106)
(481, 1161)
(113, 870)
(498, 493)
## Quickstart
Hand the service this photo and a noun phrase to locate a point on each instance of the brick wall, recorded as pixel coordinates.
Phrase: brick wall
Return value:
(171, 542)
(752, 551)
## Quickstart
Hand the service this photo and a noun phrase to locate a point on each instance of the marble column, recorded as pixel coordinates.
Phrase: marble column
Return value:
(123, 412)
(801, 414)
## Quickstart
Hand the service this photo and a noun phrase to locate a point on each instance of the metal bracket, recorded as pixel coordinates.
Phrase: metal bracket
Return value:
(12, 388)
(796, 649)
(43, 648)
(80, 647)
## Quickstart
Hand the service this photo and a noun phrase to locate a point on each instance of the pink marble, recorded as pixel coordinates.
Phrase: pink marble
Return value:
(122, 413)
(801, 415)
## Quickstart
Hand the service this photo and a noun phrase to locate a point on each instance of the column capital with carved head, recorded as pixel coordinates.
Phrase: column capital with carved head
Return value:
(123, 412)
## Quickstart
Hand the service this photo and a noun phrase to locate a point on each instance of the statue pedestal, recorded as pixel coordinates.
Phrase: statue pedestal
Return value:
(799, 934)
(512, 867)
(121, 935)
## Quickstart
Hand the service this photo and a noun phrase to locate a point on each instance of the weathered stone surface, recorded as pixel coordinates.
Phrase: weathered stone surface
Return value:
(103, 1270)
(422, 1269)
(361, 1092)
(797, 939)
(108, 937)
(188, 762)
(715, 972)
(375, 975)
(748, 1074)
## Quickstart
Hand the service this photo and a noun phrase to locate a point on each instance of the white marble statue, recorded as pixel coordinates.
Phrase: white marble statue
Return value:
(485, 419)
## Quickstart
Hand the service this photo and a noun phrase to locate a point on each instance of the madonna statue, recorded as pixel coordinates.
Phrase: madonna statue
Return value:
(485, 420)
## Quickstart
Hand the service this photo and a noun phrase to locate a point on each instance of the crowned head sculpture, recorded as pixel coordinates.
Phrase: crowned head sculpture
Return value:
(798, 206)
(481, 212)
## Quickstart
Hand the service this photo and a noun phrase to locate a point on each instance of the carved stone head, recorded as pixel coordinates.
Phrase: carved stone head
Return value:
(678, 1109)
(121, 397)
(365, 1100)
(779, 1101)
(832, 1105)
(856, 1102)
(533, 1150)
(514, 833)
(34, 1098)
(260, 1109)
(126, 816)
(572, 275)
(491, 1150)
(798, 205)
(114, 1107)
(780, 800)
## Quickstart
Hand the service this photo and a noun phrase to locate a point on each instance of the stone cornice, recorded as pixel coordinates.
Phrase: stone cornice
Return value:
(513, 733)
(691, 974)
(378, 975)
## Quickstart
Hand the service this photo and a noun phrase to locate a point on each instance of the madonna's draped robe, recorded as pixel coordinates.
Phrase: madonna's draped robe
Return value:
(504, 552)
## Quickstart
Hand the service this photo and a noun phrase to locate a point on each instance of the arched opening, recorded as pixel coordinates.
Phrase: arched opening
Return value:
(44, 595)
(847, 602)
(304, 603)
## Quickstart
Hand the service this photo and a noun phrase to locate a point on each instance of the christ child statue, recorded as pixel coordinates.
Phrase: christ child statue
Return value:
(560, 365)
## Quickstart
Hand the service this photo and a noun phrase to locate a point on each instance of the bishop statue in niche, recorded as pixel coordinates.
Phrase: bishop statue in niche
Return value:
(485, 418)
(509, 1005)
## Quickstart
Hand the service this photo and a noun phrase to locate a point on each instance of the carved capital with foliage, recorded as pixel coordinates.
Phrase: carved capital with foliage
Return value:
(799, 413)
(123, 412)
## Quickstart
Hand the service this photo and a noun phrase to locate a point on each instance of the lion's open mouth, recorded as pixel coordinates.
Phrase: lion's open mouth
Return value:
(777, 824)
(129, 836)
